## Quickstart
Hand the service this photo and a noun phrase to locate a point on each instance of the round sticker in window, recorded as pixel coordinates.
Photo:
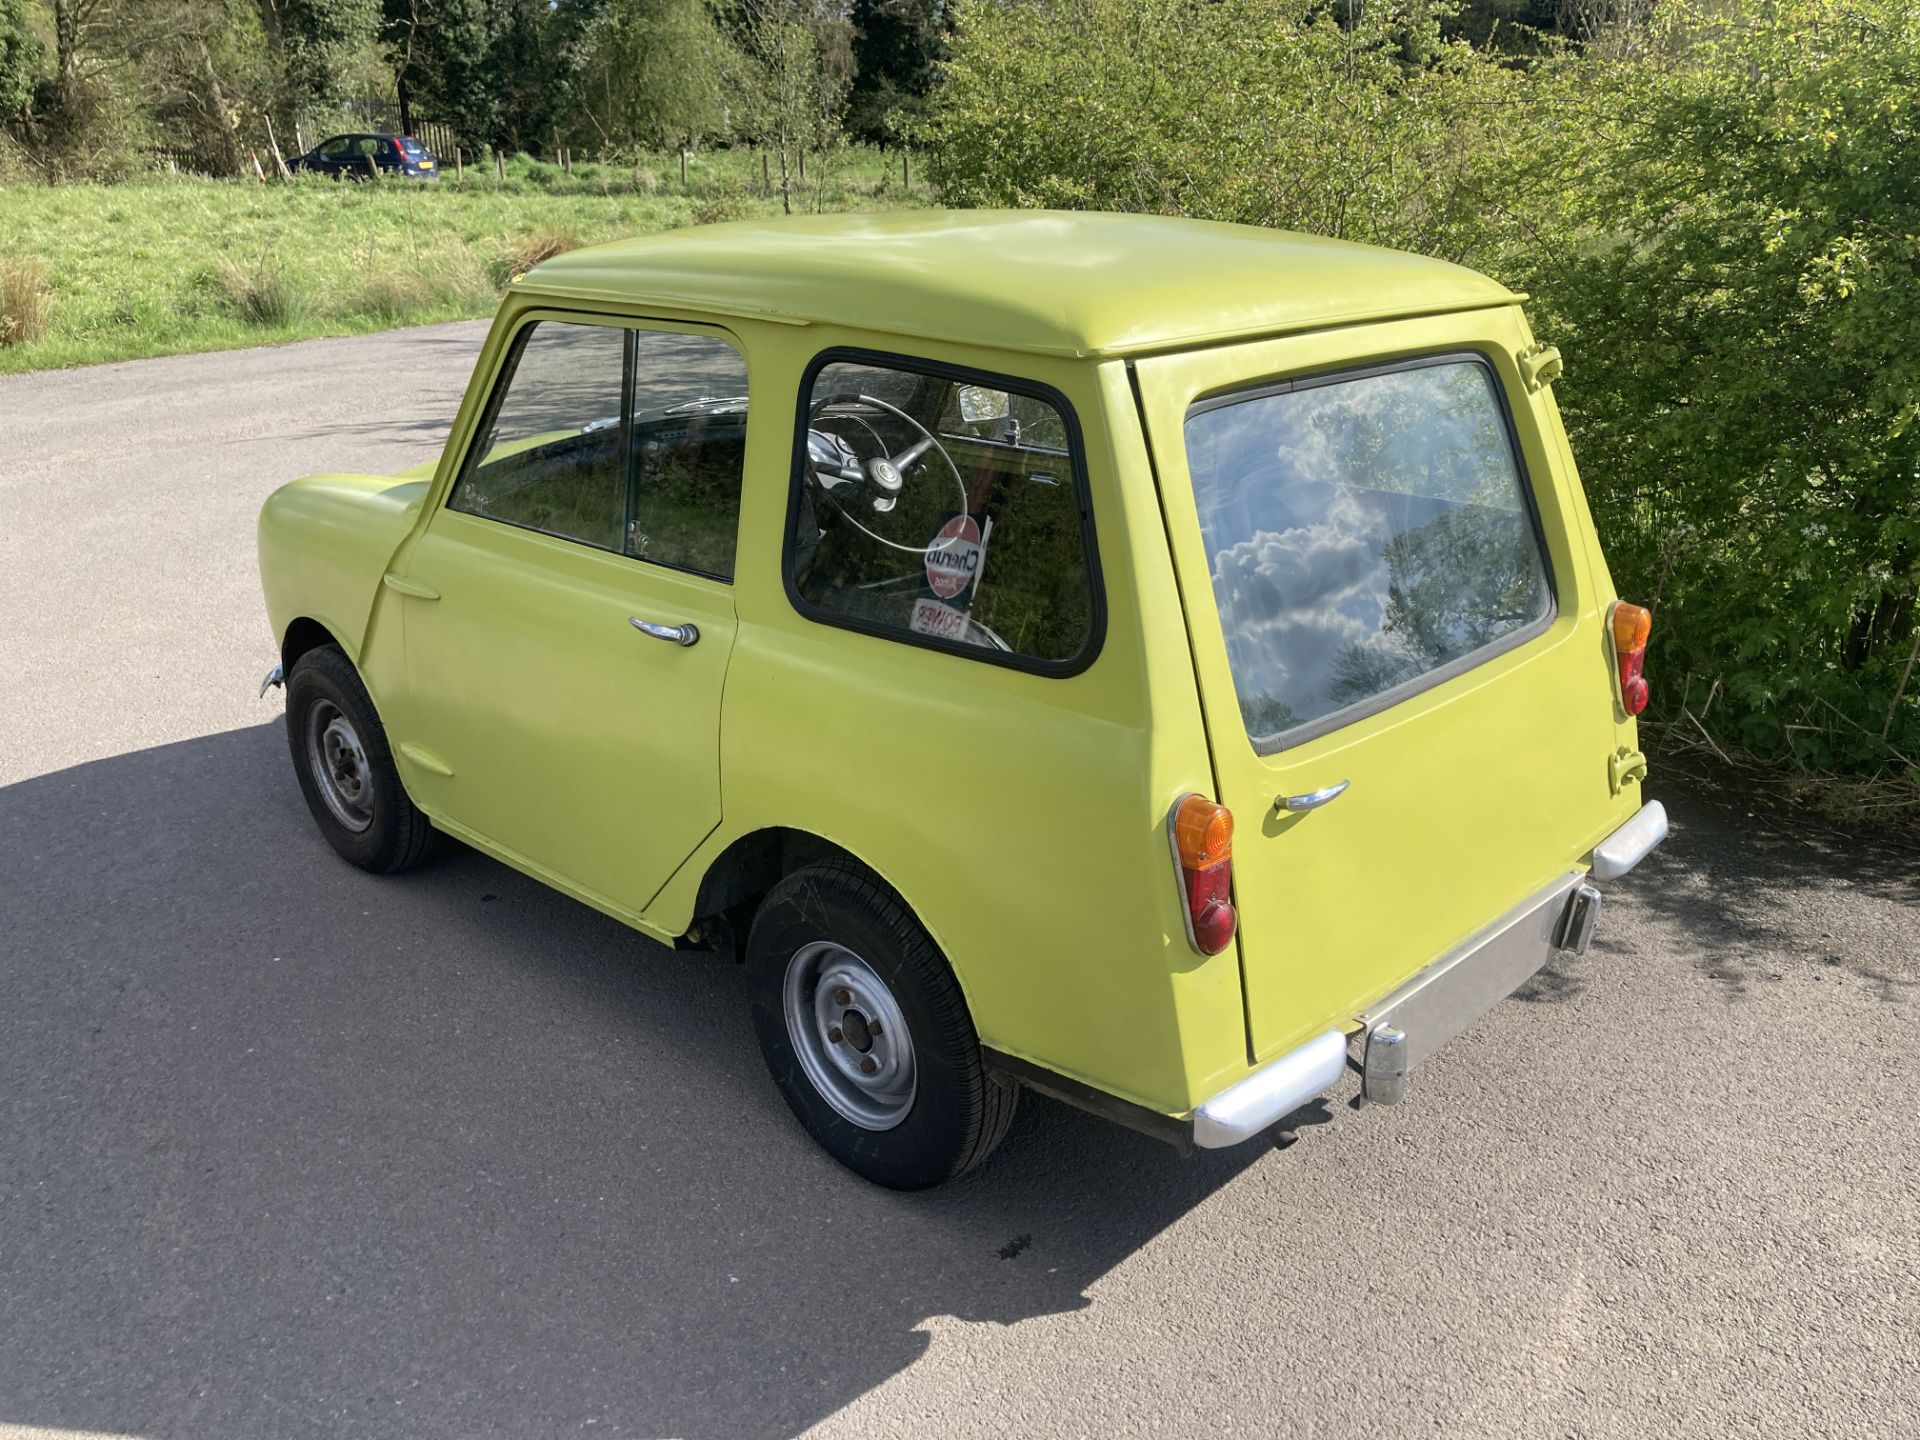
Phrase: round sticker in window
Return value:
(953, 557)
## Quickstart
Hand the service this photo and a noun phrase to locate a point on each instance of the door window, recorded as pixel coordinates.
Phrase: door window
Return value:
(648, 466)
(689, 449)
(944, 508)
(1366, 534)
(551, 458)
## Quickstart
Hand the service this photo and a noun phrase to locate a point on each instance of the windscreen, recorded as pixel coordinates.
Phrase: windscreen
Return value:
(1363, 534)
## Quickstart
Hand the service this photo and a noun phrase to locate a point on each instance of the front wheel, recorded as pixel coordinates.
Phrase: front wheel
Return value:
(345, 768)
(867, 1034)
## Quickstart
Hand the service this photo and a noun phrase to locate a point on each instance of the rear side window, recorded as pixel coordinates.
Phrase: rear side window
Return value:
(1366, 535)
(631, 441)
(944, 508)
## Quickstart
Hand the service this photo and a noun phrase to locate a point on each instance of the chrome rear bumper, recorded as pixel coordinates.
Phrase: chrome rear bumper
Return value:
(1434, 1006)
(1631, 843)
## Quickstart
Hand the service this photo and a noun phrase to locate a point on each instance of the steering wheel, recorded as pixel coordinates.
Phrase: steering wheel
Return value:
(839, 469)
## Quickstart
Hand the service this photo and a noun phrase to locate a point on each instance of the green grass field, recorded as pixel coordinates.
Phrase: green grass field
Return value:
(177, 264)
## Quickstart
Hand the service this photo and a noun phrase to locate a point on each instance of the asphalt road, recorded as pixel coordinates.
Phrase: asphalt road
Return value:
(286, 1150)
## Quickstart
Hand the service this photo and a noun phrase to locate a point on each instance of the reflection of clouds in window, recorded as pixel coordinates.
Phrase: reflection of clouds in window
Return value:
(1362, 532)
(1291, 602)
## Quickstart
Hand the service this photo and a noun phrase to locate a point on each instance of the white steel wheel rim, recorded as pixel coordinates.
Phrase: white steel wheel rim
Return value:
(850, 1035)
(338, 763)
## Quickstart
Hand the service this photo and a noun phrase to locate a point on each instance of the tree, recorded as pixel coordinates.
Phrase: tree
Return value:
(491, 69)
(897, 49)
(798, 74)
(657, 73)
(309, 45)
(21, 56)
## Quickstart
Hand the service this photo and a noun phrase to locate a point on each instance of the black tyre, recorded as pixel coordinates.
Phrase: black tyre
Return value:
(346, 771)
(867, 1034)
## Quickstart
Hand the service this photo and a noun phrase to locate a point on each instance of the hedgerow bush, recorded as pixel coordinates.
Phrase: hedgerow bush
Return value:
(1717, 216)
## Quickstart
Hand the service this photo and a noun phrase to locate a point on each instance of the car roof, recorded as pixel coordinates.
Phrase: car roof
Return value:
(1047, 281)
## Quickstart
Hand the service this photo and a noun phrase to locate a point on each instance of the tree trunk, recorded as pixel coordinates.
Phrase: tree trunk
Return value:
(406, 103)
(228, 160)
(66, 44)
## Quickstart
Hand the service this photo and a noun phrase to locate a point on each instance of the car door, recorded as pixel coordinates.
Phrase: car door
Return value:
(1402, 658)
(332, 156)
(569, 610)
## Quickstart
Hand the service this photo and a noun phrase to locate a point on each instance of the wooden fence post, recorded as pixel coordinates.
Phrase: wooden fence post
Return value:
(500, 167)
(906, 175)
(683, 167)
(458, 172)
(279, 160)
(766, 173)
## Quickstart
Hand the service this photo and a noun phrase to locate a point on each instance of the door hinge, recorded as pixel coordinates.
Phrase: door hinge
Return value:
(1539, 367)
(1624, 767)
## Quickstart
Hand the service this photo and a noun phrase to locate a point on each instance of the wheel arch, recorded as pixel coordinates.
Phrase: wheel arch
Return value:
(753, 863)
(304, 633)
(750, 864)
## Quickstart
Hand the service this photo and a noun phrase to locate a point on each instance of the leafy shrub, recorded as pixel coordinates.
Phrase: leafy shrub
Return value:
(1739, 316)
(1719, 223)
(26, 299)
(1265, 112)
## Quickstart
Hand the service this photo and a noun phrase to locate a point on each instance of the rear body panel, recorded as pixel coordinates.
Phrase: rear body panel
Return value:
(1465, 796)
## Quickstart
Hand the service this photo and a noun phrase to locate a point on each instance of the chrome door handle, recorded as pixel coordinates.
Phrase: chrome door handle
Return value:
(1313, 799)
(678, 634)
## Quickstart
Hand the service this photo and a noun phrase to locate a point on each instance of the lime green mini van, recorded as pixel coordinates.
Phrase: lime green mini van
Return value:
(1158, 663)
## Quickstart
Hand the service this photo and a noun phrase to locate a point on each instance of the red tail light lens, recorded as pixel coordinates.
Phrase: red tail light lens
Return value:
(1631, 624)
(1203, 848)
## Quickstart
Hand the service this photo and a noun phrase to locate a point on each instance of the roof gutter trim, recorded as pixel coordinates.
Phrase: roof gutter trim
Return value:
(1154, 345)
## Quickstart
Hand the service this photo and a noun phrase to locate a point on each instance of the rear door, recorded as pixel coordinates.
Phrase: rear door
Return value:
(1395, 627)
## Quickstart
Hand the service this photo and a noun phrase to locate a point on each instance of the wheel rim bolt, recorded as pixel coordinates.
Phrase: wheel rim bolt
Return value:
(833, 1034)
(868, 1065)
(873, 1026)
(843, 997)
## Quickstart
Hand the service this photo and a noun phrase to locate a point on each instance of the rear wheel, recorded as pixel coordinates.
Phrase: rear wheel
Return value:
(345, 768)
(866, 1031)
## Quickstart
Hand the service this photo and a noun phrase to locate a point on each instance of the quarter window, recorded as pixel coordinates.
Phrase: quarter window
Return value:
(1363, 533)
(943, 508)
(626, 440)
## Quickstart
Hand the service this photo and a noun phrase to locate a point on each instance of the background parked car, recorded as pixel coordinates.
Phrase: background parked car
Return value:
(352, 155)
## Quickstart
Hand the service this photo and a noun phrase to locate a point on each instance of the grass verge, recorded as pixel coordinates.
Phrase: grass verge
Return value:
(171, 265)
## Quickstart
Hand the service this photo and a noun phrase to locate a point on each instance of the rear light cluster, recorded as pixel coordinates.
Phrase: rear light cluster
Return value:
(1203, 848)
(1631, 626)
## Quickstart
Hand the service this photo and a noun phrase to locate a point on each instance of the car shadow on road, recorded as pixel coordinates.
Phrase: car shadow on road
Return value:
(288, 1149)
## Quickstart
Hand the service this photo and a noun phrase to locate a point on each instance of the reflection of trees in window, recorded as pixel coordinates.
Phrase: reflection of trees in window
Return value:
(1456, 584)
(1265, 714)
(1363, 671)
(1461, 581)
(1432, 432)
(1366, 531)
